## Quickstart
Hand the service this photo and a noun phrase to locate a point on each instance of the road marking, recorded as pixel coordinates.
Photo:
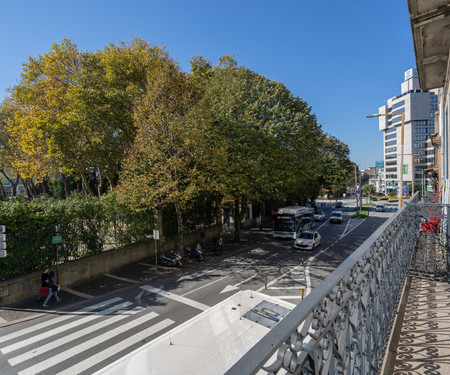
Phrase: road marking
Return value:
(277, 279)
(45, 335)
(117, 348)
(362, 221)
(121, 278)
(85, 346)
(197, 275)
(176, 297)
(61, 318)
(204, 286)
(2, 320)
(236, 286)
(79, 294)
(68, 338)
(343, 233)
(285, 287)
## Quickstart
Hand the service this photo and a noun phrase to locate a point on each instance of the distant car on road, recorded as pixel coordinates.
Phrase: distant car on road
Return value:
(338, 205)
(308, 240)
(319, 216)
(379, 208)
(374, 199)
(336, 217)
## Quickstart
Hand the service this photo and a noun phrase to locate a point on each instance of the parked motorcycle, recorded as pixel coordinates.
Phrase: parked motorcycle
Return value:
(194, 252)
(174, 260)
(217, 245)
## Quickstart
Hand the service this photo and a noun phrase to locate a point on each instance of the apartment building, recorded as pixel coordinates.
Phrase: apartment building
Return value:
(419, 108)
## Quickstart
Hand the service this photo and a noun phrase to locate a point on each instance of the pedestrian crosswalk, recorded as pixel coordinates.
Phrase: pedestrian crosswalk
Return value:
(74, 342)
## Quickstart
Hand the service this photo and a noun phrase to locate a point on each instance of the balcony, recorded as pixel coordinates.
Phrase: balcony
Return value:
(435, 139)
(344, 325)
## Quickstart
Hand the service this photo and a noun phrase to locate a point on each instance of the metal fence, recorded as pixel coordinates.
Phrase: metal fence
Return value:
(342, 327)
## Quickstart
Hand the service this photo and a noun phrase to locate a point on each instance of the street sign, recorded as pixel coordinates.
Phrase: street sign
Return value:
(2, 237)
(56, 239)
(2, 229)
(155, 234)
(2, 245)
(3, 254)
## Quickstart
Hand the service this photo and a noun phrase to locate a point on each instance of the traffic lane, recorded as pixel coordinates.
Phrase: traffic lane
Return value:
(331, 256)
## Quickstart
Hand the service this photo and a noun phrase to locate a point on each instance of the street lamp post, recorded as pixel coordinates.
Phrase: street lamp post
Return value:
(400, 181)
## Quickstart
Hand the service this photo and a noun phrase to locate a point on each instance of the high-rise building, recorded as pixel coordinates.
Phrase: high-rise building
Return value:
(419, 107)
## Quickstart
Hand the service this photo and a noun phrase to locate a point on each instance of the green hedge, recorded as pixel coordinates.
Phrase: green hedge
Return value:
(87, 225)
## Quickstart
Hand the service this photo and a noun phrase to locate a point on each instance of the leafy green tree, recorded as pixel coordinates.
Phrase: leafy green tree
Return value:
(172, 149)
(369, 189)
(336, 167)
(270, 137)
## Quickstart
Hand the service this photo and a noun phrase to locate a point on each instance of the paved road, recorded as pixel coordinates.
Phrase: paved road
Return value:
(132, 306)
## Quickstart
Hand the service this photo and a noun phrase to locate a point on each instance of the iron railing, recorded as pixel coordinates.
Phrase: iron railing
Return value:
(343, 326)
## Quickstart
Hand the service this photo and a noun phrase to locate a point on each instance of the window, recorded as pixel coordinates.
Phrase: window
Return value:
(433, 99)
(391, 149)
(391, 143)
(421, 137)
(393, 162)
(420, 145)
(431, 114)
(391, 130)
(421, 130)
(430, 130)
(433, 107)
(390, 136)
(420, 123)
(397, 119)
(392, 156)
(399, 104)
(391, 169)
(430, 122)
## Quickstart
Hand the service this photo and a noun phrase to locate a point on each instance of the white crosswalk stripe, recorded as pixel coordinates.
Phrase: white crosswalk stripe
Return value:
(84, 347)
(59, 319)
(51, 332)
(68, 338)
(112, 350)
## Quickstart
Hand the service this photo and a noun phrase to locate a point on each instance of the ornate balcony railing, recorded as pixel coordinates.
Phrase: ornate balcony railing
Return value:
(343, 326)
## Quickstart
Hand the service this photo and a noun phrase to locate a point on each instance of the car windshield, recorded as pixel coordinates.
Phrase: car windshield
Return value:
(306, 235)
(335, 214)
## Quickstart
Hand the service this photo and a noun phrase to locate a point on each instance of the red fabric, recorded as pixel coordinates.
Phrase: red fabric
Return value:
(43, 292)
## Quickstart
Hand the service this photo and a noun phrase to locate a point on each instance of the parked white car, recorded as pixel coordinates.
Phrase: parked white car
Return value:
(308, 240)
(319, 216)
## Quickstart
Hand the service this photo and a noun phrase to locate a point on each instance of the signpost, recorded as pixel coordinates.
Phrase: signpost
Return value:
(3, 252)
(156, 237)
(57, 240)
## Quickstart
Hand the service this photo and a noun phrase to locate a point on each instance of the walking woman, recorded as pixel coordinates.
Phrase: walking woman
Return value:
(54, 288)
(44, 291)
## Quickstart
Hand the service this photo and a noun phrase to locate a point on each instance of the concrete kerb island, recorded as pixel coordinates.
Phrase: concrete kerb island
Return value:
(27, 286)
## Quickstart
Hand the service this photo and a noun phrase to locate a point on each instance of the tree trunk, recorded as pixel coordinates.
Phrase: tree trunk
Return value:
(66, 185)
(180, 229)
(240, 206)
(86, 185)
(111, 183)
(100, 182)
(2, 190)
(26, 185)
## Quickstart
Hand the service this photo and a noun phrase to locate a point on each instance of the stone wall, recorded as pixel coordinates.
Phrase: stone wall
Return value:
(27, 286)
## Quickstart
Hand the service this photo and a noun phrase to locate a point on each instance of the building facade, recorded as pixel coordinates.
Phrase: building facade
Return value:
(419, 108)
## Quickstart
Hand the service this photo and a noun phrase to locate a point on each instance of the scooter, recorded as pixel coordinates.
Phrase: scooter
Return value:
(217, 245)
(194, 253)
(172, 261)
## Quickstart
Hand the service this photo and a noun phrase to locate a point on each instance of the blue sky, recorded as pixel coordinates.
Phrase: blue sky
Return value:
(345, 59)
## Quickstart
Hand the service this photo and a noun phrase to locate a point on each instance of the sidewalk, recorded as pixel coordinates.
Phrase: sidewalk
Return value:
(122, 279)
(421, 339)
